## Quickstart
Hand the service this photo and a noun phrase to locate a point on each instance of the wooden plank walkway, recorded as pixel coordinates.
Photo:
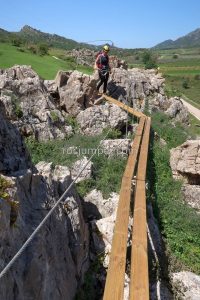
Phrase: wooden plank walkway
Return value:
(114, 288)
(139, 285)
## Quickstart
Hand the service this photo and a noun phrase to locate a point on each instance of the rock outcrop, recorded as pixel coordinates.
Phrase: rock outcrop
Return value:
(41, 108)
(93, 120)
(53, 264)
(29, 106)
(117, 147)
(187, 285)
(13, 155)
(185, 164)
(185, 161)
(78, 166)
(145, 88)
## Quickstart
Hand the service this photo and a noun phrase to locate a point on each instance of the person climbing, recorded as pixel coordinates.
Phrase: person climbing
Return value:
(103, 67)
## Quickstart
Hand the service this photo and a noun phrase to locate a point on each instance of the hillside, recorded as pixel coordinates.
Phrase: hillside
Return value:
(190, 40)
(29, 34)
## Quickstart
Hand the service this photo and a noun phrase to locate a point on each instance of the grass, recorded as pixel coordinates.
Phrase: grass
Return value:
(46, 66)
(192, 92)
(104, 169)
(180, 224)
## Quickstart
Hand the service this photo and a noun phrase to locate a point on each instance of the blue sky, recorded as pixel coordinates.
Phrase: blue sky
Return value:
(128, 23)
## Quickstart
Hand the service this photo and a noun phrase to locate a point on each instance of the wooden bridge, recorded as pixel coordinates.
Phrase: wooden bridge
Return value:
(136, 166)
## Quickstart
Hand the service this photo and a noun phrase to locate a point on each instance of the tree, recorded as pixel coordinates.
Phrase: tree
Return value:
(43, 49)
(16, 42)
(149, 59)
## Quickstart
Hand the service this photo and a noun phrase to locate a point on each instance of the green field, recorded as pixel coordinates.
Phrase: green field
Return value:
(46, 66)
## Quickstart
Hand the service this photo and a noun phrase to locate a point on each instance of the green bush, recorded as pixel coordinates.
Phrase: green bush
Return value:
(175, 56)
(185, 84)
(71, 121)
(54, 116)
(43, 49)
(32, 49)
(16, 42)
(112, 133)
(149, 59)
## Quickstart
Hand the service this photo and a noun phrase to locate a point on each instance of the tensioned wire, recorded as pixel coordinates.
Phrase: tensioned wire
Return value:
(9, 265)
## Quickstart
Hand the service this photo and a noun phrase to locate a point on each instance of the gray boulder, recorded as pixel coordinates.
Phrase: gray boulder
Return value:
(29, 106)
(185, 164)
(185, 161)
(118, 147)
(78, 166)
(78, 93)
(97, 207)
(186, 285)
(93, 120)
(177, 110)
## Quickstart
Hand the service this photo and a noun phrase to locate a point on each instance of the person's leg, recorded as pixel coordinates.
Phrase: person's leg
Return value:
(101, 77)
(105, 82)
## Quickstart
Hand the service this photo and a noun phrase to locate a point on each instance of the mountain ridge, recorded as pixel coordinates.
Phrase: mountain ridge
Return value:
(30, 34)
(190, 40)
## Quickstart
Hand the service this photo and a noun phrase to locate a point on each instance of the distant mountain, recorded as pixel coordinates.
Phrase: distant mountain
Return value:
(5, 35)
(190, 40)
(29, 34)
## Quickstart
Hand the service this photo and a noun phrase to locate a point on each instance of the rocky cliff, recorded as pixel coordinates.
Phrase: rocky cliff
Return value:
(52, 266)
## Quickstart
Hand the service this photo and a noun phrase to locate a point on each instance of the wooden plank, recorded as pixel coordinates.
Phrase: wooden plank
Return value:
(114, 288)
(141, 175)
(124, 106)
(139, 284)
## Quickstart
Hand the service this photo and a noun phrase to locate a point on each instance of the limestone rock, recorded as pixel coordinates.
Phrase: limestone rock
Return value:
(78, 93)
(177, 110)
(118, 147)
(192, 195)
(13, 155)
(61, 245)
(185, 161)
(93, 120)
(185, 164)
(78, 166)
(53, 264)
(29, 106)
(139, 88)
(188, 285)
(97, 207)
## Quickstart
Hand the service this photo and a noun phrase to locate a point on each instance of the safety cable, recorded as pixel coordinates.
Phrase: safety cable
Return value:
(8, 266)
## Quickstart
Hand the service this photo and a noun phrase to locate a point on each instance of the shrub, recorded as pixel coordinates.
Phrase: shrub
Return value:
(71, 121)
(43, 49)
(32, 49)
(149, 59)
(16, 42)
(185, 84)
(54, 116)
(175, 56)
(20, 50)
(112, 133)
